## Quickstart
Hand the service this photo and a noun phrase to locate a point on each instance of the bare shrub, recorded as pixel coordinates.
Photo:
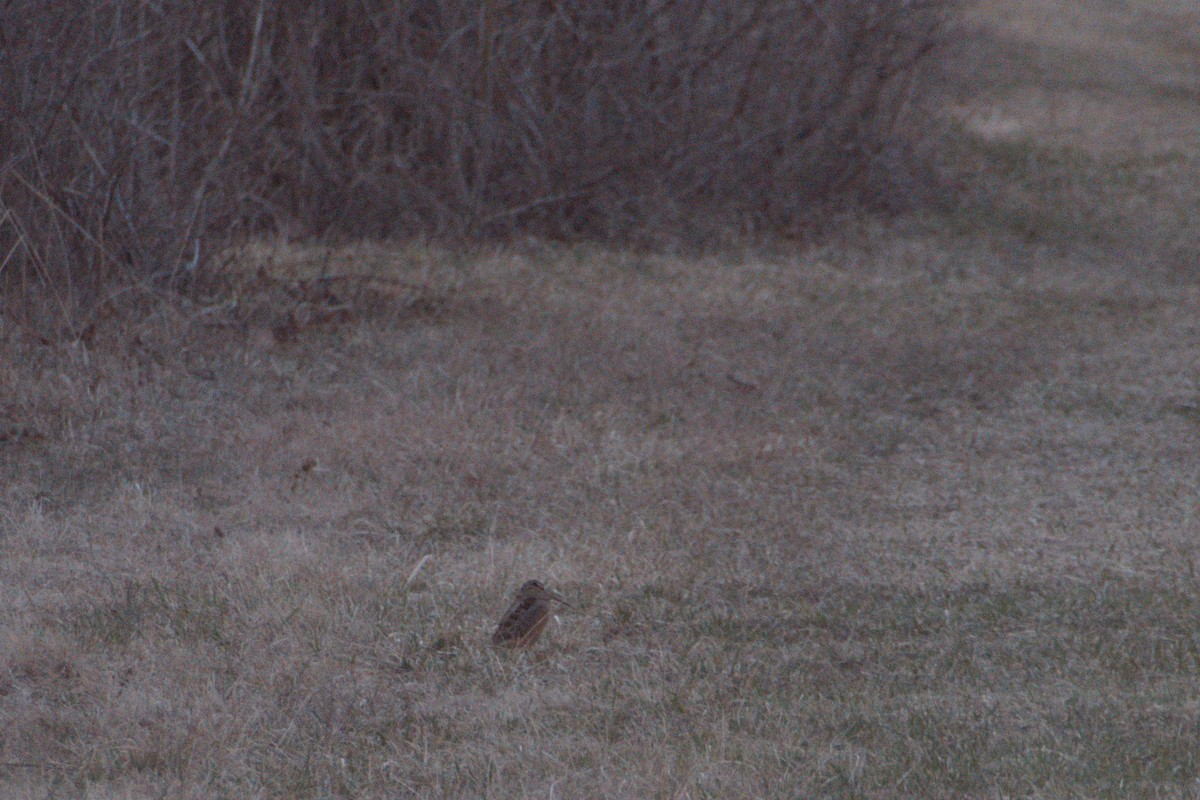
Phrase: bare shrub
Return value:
(115, 160)
(593, 118)
(142, 136)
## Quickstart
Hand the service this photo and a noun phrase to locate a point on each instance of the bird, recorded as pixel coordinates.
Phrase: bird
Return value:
(526, 618)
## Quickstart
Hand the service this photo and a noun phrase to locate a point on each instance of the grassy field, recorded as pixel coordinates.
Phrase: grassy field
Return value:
(914, 512)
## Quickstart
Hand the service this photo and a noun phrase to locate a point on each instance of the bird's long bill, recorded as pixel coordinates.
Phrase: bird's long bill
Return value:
(558, 597)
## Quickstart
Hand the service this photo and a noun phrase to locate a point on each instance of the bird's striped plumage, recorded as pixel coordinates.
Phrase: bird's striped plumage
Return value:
(527, 617)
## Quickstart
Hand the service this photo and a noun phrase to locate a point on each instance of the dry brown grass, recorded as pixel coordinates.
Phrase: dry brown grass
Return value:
(911, 514)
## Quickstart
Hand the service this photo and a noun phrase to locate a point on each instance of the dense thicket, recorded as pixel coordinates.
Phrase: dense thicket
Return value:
(137, 137)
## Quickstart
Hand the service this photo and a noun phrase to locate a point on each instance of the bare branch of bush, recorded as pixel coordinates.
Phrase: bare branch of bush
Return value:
(141, 137)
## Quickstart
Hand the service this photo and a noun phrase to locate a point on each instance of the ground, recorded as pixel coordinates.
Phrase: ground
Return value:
(911, 512)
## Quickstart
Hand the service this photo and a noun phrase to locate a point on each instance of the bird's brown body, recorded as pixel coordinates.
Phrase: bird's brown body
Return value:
(526, 618)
